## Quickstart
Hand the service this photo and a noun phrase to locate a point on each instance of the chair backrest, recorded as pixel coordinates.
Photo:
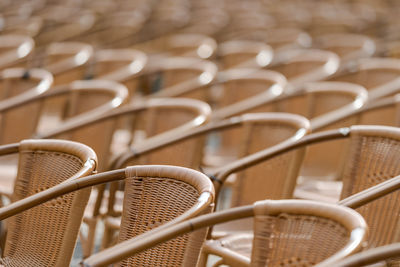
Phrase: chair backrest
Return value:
(191, 45)
(244, 89)
(347, 46)
(242, 54)
(159, 195)
(42, 235)
(14, 48)
(67, 61)
(19, 85)
(305, 65)
(380, 76)
(179, 76)
(286, 232)
(371, 159)
(293, 233)
(120, 65)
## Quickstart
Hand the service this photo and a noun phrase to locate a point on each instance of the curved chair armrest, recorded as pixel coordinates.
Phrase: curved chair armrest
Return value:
(222, 173)
(364, 197)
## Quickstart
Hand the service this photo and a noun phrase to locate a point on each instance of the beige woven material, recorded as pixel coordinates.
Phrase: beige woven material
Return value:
(42, 236)
(286, 233)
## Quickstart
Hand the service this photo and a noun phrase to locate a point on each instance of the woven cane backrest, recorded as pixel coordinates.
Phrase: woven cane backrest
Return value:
(238, 53)
(305, 65)
(43, 236)
(169, 121)
(286, 236)
(67, 61)
(120, 65)
(378, 75)
(274, 178)
(17, 85)
(371, 160)
(157, 196)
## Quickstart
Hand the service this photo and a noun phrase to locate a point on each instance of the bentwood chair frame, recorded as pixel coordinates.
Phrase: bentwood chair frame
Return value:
(196, 199)
(261, 211)
(43, 164)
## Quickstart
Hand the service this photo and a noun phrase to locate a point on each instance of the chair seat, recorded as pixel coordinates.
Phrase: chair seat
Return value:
(240, 243)
(328, 191)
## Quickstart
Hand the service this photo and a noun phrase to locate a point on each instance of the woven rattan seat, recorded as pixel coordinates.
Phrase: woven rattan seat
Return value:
(286, 232)
(42, 236)
(157, 197)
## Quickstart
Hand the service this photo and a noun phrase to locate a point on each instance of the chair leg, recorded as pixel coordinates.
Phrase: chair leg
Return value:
(89, 242)
(108, 236)
(203, 259)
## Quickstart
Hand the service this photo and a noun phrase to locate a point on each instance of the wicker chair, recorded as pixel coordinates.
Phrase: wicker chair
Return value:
(44, 230)
(14, 48)
(281, 128)
(347, 46)
(120, 65)
(367, 144)
(157, 197)
(67, 61)
(181, 44)
(242, 54)
(18, 83)
(149, 122)
(71, 108)
(305, 65)
(286, 232)
(378, 75)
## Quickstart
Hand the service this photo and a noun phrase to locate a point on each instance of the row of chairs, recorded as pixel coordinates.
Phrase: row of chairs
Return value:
(228, 139)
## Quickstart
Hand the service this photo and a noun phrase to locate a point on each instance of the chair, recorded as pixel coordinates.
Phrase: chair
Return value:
(305, 65)
(149, 122)
(347, 46)
(378, 75)
(100, 97)
(157, 197)
(18, 83)
(286, 232)
(366, 144)
(121, 65)
(370, 257)
(251, 137)
(242, 54)
(67, 61)
(42, 165)
(13, 49)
